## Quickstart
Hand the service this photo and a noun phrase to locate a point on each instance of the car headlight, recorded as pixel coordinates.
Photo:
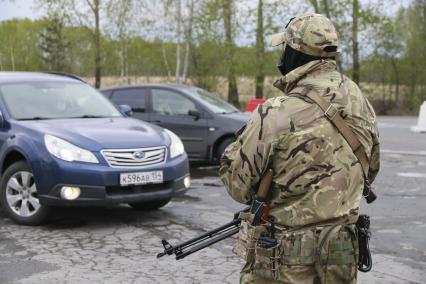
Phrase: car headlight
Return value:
(68, 152)
(176, 146)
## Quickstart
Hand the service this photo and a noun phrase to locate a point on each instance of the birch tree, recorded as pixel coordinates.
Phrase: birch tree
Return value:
(121, 15)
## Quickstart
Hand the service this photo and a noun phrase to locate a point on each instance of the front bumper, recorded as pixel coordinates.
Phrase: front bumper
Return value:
(100, 184)
(110, 195)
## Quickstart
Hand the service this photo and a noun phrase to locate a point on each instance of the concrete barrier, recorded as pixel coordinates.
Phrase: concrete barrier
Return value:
(421, 123)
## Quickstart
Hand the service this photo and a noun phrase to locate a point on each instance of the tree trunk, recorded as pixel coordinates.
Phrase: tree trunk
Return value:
(166, 62)
(229, 43)
(188, 42)
(126, 60)
(325, 8)
(178, 43)
(355, 49)
(396, 72)
(260, 52)
(12, 58)
(97, 45)
(315, 5)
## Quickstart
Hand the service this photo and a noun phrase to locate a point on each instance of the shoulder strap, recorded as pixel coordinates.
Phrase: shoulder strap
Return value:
(332, 114)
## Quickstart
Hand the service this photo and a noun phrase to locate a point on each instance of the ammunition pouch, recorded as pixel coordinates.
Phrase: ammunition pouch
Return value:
(336, 255)
(298, 247)
(268, 257)
(246, 240)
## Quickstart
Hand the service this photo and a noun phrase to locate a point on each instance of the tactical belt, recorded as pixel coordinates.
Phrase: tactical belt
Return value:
(334, 116)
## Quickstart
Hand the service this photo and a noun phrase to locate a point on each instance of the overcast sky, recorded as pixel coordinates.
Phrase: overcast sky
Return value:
(25, 8)
(18, 9)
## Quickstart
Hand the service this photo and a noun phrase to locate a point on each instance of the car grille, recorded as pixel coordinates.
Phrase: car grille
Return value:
(133, 158)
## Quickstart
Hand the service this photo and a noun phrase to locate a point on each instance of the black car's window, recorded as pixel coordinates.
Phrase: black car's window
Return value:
(213, 102)
(135, 98)
(170, 103)
(50, 100)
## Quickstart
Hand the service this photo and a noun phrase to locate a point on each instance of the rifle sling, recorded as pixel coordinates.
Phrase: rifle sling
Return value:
(334, 116)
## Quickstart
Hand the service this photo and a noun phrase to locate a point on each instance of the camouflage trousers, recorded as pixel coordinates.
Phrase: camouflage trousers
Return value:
(322, 255)
(300, 274)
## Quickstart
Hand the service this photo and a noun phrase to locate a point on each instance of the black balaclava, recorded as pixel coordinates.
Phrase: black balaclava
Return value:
(291, 59)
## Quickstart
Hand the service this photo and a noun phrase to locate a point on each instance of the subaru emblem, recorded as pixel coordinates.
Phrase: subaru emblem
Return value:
(139, 155)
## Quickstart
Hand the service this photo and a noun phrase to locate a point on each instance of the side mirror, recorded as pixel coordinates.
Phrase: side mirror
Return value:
(195, 113)
(126, 110)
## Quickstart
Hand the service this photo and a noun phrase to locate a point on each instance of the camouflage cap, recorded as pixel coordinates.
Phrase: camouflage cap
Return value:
(312, 34)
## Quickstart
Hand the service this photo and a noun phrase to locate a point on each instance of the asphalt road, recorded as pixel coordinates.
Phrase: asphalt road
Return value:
(118, 245)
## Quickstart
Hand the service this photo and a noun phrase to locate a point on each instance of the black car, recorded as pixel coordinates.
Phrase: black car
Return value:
(204, 122)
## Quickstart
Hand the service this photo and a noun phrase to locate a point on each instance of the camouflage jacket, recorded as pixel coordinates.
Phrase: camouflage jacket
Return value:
(317, 178)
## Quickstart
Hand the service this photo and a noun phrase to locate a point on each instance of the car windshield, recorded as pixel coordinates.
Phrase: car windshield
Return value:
(31, 101)
(214, 103)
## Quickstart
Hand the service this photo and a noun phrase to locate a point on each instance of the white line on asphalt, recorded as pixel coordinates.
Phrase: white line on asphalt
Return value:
(413, 175)
(401, 152)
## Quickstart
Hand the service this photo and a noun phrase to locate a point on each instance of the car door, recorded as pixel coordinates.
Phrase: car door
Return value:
(136, 98)
(170, 109)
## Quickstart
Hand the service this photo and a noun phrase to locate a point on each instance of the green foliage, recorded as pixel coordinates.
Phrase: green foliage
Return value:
(19, 49)
(53, 45)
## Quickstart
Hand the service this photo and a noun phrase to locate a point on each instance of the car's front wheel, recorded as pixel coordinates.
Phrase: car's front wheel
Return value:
(18, 196)
(222, 146)
(150, 205)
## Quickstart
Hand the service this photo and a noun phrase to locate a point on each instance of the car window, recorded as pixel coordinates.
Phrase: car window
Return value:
(170, 103)
(135, 98)
(213, 102)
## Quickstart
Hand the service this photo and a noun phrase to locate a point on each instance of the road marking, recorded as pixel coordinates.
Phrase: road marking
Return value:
(401, 152)
(412, 175)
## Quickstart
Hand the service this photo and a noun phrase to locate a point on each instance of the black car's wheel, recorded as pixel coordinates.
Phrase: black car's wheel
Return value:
(222, 146)
(18, 196)
(150, 205)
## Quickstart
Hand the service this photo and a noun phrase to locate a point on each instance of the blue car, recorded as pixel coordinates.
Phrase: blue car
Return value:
(64, 144)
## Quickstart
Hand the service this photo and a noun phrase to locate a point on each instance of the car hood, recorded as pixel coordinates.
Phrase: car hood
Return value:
(102, 133)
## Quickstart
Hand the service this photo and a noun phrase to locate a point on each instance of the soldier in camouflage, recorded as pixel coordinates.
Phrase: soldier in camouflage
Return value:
(318, 181)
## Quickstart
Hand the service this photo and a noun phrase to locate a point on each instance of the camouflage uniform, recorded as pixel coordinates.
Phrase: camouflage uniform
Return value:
(318, 181)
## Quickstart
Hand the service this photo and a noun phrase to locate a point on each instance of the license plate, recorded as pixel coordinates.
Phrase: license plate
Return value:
(141, 178)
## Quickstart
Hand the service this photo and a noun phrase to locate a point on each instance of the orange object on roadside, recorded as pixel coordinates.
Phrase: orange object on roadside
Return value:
(252, 104)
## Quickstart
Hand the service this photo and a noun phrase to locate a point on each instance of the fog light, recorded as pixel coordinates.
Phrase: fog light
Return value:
(70, 193)
(187, 182)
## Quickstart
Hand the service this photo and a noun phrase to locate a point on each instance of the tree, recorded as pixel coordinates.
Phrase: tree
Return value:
(53, 44)
(355, 49)
(228, 11)
(260, 52)
(120, 13)
(188, 41)
(85, 13)
(178, 38)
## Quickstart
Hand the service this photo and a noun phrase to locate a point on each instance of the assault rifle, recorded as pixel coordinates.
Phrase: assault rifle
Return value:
(259, 208)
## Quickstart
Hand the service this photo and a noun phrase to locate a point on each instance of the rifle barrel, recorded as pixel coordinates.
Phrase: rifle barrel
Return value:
(207, 235)
(207, 243)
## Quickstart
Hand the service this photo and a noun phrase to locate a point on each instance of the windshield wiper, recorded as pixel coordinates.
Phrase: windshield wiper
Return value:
(35, 118)
(89, 116)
